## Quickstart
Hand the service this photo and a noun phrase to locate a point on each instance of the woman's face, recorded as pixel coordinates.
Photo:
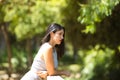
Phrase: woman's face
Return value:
(58, 36)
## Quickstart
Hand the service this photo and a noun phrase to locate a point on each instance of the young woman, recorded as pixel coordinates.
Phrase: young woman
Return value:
(46, 61)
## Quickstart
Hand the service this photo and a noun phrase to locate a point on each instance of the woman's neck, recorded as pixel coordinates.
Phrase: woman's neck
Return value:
(52, 43)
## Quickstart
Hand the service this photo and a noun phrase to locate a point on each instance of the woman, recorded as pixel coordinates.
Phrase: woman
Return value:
(46, 61)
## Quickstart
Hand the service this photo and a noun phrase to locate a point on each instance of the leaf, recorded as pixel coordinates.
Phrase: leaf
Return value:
(90, 28)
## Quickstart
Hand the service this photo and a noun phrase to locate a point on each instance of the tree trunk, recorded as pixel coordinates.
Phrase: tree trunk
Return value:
(75, 53)
(29, 51)
(9, 51)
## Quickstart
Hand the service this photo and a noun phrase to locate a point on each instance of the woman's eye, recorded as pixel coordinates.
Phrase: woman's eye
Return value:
(60, 34)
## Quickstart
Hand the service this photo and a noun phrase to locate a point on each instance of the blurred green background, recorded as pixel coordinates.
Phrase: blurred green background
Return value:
(92, 37)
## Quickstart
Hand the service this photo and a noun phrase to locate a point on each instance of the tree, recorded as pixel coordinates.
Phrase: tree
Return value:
(107, 34)
(3, 27)
(73, 28)
(95, 11)
(28, 18)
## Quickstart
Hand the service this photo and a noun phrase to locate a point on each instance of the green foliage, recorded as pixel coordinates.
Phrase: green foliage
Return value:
(90, 28)
(97, 62)
(19, 60)
(28, 17)
(95, 11)
(69, 14)
(3, 60)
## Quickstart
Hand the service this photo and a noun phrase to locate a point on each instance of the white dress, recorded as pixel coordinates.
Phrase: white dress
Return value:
(39, 65)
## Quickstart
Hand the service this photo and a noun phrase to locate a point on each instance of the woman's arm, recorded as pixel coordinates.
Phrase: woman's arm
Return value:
(63, 72)
(44, 74)
(49, 61)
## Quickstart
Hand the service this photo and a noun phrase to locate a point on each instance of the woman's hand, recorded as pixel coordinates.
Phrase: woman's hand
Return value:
(42, 74)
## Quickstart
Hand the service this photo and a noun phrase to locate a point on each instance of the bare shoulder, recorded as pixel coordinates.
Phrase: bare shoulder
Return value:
(47, 50)
(46, 47)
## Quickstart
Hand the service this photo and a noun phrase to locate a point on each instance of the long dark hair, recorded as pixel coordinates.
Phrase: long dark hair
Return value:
(54, 28)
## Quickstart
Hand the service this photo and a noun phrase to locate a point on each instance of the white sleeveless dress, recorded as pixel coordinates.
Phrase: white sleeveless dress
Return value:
(39, 65)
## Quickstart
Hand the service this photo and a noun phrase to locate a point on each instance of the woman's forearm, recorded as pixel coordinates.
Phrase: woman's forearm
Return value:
(44, 74)
(60, 72)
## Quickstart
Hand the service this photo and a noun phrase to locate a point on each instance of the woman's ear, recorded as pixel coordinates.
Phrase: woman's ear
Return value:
(51, 34)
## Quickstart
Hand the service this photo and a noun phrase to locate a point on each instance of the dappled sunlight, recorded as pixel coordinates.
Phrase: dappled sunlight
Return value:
(92, 36)
(74, 67)
(75, 72)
